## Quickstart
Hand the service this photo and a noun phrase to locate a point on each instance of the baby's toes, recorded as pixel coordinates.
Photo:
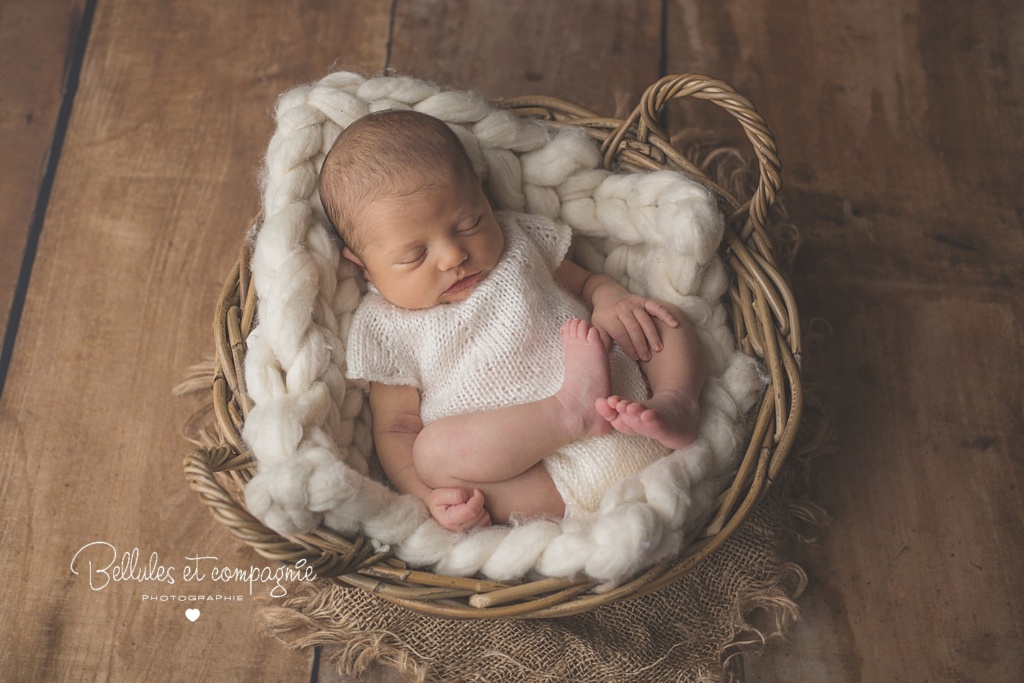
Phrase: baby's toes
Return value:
(604, 409)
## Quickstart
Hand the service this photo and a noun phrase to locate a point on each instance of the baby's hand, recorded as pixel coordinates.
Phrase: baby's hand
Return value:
(629, 319)
(458, 509)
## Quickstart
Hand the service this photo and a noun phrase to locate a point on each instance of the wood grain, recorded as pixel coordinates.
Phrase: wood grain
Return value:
(152, 197)
(38, 40)
(915, 578)
(901, 138)
(901, 130)
(533, 47)
(911, 115)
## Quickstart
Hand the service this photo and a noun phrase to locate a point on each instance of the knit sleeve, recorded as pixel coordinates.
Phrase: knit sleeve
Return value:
(552, 238)
(377, 350)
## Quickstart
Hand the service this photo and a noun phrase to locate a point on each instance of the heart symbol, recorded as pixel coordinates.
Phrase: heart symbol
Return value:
(192, 614)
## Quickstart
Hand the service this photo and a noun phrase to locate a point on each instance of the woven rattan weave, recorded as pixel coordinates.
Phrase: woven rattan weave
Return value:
(765, 323)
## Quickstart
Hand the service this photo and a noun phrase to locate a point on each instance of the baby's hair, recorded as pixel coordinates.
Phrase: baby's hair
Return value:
(375, 156)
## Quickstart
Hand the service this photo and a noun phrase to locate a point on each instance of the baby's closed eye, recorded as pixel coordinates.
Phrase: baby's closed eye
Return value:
(412, 257)
(469, 227)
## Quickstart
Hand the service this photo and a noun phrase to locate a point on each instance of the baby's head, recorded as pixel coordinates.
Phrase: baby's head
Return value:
(384, 154)
(402, 194)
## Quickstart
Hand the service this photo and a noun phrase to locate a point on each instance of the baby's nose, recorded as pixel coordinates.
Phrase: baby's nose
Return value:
(453, 256)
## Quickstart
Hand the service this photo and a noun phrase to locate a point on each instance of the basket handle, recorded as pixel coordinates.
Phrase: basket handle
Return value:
(644, 124)
(750, 243)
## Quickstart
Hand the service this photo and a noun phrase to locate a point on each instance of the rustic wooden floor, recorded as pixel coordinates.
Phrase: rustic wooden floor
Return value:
(131, 137)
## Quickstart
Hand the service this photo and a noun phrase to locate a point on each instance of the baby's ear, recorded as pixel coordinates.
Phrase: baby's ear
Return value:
(351, 256)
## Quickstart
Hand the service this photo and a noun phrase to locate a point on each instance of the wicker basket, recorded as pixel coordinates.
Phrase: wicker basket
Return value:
(765, 324)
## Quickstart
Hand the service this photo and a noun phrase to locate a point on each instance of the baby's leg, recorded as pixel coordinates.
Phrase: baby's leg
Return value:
(531, 494)
(676, 375)
(498, 445)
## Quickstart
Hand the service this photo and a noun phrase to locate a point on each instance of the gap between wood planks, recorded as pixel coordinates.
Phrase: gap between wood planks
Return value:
(72, 72)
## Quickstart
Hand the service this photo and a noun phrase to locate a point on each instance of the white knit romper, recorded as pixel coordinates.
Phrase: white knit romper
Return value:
(502, 346)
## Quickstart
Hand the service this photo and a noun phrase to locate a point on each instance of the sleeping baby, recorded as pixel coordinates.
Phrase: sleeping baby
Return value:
(505, 381)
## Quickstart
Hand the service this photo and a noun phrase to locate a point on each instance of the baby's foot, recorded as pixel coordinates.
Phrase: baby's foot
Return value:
(668, 418)
(587, 378)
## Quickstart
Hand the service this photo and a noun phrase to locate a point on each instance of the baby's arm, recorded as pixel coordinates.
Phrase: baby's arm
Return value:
(396, 424)
(616, 312)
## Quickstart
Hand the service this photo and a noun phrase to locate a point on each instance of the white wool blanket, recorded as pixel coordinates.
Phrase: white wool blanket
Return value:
(658, 233)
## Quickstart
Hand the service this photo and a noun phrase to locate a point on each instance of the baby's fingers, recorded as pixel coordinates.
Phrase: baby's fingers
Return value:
(453, 496)
(466, 513)
(643, 336)
(659, 311)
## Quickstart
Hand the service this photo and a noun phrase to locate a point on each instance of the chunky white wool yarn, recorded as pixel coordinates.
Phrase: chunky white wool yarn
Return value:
(656, 232)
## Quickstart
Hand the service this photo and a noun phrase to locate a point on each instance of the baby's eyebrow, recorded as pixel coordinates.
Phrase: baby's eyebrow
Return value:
(385, 248)
(407, 245)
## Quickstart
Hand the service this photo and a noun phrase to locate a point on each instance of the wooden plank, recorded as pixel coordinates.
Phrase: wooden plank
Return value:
(900, 134)
(872, 111)
(533, 47)
(904, 114)
(32, 90)
(917, 577)
(153, 196)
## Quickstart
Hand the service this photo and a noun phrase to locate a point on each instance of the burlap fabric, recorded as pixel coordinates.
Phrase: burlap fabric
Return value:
(737, 599)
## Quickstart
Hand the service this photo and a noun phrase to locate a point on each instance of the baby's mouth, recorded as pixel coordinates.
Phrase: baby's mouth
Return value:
(465, 283)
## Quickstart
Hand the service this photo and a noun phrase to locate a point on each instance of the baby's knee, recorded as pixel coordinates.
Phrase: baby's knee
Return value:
(429, 459)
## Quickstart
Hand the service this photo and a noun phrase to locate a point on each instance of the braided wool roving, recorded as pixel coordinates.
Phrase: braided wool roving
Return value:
(657, 233)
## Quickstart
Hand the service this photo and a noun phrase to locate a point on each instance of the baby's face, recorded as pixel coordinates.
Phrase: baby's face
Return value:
(431, 247)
